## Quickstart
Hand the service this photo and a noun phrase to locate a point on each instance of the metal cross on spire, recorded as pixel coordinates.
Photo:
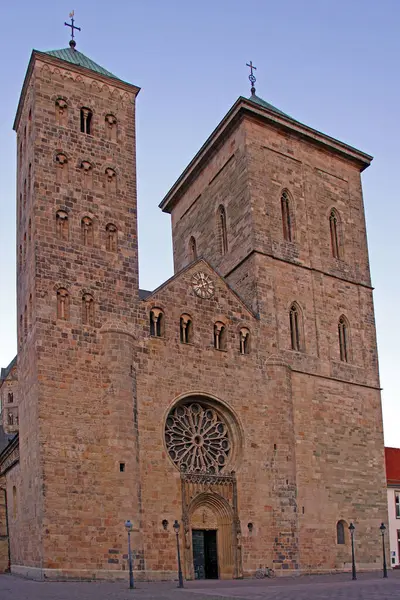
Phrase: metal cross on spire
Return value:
(72, 42)
(252, 77)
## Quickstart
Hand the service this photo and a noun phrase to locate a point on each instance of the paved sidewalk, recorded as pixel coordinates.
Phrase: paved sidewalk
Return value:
(369, 586)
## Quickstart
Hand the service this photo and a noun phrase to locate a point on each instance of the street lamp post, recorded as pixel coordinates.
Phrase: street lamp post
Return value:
(180, 577)
(353, 562)
(129, 527)
(383, 529)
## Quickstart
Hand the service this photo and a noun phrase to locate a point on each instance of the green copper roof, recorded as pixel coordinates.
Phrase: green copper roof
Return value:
(264, 104)
(77, 58)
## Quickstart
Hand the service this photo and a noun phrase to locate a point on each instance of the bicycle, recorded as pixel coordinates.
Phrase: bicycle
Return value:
(263, 572)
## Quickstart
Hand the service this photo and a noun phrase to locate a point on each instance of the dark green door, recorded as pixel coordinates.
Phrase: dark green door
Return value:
(205, 557)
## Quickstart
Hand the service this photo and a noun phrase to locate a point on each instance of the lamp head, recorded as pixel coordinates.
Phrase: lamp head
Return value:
(176, 526)
(351, 527)
(128, 526)
(382, 527)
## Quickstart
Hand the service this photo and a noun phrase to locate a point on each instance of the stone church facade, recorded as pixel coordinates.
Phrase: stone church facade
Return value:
(241, 397)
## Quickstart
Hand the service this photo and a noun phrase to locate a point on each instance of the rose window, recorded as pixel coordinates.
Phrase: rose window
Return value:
(197, 439)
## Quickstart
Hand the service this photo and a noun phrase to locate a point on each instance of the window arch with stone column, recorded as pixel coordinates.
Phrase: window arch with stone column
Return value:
(157, 322)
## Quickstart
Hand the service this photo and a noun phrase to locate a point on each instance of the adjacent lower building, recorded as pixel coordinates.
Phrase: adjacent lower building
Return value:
(392, 456)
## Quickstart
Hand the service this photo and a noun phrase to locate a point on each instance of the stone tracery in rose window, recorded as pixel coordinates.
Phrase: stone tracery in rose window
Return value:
(197, 438)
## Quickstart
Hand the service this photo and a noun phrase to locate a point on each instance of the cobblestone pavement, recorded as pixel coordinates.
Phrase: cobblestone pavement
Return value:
(369, 586)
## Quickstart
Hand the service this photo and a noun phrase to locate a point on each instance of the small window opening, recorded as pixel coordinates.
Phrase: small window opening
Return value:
(87, 309)
(244, 341)
(14, 494)
(62, 225)
(62, 304)
(10, 397)
(186, 329)
(286, 221)
(121, 467)
(222, 230)
(87, 231)
(192, 249)
(295, 327)
(334, 225)
(341, 527)
(219, 336)
(86, 120)
(111, 238)
(343, 339)
(156, 322)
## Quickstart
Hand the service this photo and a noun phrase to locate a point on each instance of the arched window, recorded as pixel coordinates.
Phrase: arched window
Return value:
(62, 225)
(222, 229)
(30, 230)
(87, 309)
(157, 322)
(111, 238)
(10, 397)
(295, 327)
(86, 120)
(334, 229)
(62, 168)
(111, 128)
(25, 193)
(341, 528)
(10, 418)
(192, 249)
(24, 247)
(87, 171)
(186, 329)
(62, 304)
(87, 231)
(111, 179)
(343, 331)
(286, 220)
(61, 112)
(219, 336)
(244, 346)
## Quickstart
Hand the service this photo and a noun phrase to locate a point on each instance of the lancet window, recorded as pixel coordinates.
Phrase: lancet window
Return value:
(286, 218)
(62, 225)
(343, 331)
(111, 238)
(111, 128)
(87, 231)
(222, 229)
(334, 229)
(87, 309)
(62, 304)
(192, 249)
(295, 327)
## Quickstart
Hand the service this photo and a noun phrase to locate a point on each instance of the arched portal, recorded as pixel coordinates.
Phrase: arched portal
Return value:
(211, 540)
(203, 440)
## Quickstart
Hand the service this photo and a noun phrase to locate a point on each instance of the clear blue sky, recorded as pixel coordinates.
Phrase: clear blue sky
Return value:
(332, 64)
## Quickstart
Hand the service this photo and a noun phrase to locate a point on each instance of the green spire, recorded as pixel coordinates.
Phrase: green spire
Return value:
(74, 57)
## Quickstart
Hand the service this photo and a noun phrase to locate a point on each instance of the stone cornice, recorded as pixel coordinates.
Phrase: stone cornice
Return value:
(10, 456)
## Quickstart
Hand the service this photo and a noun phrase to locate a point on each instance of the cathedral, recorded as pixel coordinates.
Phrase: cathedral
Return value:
(240, 398)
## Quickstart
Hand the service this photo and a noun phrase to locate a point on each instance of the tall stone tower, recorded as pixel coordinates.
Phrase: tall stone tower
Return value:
(77, 268)
(277, 209)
